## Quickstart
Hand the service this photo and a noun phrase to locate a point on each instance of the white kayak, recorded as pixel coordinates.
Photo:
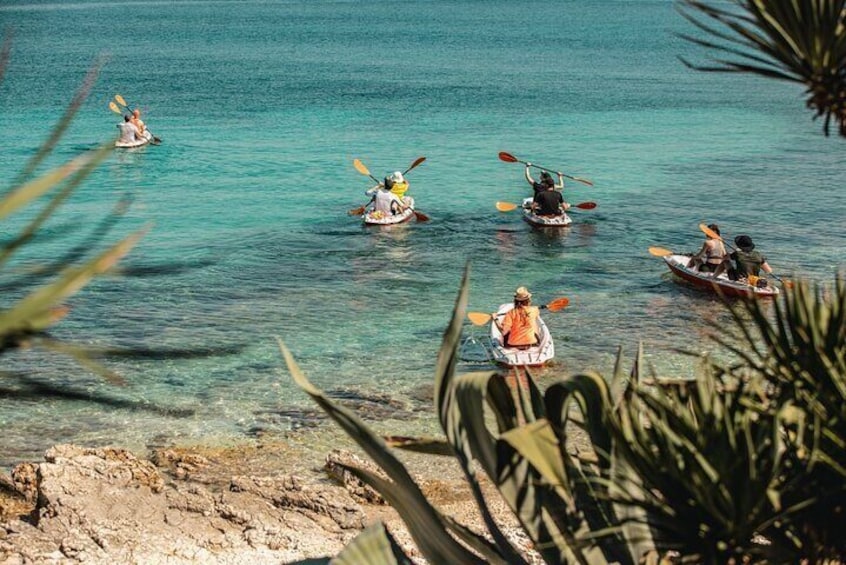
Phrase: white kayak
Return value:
(706, 280)
(534, 356)
(147, 138)
(558, 221)
(379, 218)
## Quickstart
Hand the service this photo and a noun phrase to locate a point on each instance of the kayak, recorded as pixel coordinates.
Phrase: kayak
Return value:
(728, 287)
(560, 221)
(534, 356)
(148, 137)
(379, 218)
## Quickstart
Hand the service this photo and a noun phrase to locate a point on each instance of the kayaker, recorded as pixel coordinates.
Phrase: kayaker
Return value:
(549, 202)
(519, 326)
(545, 180)
(385, 201)
(128, 131)
(399, 184)
(712, 255)
(136, 119)
(747, 261)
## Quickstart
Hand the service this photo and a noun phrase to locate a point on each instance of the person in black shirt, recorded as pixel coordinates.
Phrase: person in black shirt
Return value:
(549, 202)
(544, 182)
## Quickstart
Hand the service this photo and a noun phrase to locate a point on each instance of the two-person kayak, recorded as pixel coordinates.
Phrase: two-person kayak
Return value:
(678, 264)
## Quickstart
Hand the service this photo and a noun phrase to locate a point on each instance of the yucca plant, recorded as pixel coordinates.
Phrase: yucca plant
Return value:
(800, 354)
(713, 471)
(801, 41)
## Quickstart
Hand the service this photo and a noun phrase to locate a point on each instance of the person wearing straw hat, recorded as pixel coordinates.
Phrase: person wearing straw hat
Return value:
(519, 326)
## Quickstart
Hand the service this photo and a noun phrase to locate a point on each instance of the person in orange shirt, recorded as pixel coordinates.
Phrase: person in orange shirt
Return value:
(519, 326)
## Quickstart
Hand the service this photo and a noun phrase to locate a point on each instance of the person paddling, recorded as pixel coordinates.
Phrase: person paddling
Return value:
(384, 200)
(128, 131)
(519, 326)
(549, 202)
(713, 252)
(747, 261)
(544, 182)
(137, 121)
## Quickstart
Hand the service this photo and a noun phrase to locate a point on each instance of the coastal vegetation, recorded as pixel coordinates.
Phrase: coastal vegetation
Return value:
(797, 41)
(744, 464)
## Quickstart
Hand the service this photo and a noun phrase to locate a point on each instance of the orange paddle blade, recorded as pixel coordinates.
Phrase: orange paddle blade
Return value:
(506, 206)
(356, 211)
(479, 318)
(709, 232)
(114, 108)
(659, 251)
(421, 217)
(359, 166)
(120, 100)
(558, 304)
(586, 205)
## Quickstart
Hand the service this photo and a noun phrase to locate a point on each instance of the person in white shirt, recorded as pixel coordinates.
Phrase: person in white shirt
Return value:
(128, 131)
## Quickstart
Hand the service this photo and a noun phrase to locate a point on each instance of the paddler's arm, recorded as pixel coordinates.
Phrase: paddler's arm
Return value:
(560, 185)
(529, 178)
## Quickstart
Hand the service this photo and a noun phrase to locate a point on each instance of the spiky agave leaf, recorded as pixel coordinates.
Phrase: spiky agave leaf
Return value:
(465, 405)
(374, 545)
(804, 366)
(713, 462)
(428, 528)
(798, 41)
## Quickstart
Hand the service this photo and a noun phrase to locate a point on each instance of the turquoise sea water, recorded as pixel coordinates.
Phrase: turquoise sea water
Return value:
(262, 107)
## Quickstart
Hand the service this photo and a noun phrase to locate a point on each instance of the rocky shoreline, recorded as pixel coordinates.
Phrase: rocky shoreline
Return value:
(106, 505)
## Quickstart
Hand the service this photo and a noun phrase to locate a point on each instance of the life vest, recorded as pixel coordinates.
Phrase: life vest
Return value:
(399, 188)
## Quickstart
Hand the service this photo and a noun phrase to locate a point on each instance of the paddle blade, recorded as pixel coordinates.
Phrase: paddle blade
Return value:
(583, 181)
(114, 108)
(421, 217)
(508, 157)
(558, 304)
(356, 211)
(359, 166)
(659, 251)
(120, 100)
(586, 205)
(709, 232)
(415, 163)
(479, 318)
(506, 206)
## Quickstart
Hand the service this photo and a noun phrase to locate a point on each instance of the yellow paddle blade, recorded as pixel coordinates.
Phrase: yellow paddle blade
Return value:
(506, 206)
(558, 304)
(479, 318)
(709, 232)
(359, 166)
(659, 251)
(114, 108)
(120, 100)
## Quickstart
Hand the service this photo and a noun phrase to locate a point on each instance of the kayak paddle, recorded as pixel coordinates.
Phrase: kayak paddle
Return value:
(480, 318)
(509, 158)
(509, 206)
(660, 252)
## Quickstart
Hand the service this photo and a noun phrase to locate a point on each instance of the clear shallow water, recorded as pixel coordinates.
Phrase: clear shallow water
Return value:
(263, 106)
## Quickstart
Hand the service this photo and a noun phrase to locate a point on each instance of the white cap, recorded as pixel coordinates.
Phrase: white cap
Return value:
(396, 176)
